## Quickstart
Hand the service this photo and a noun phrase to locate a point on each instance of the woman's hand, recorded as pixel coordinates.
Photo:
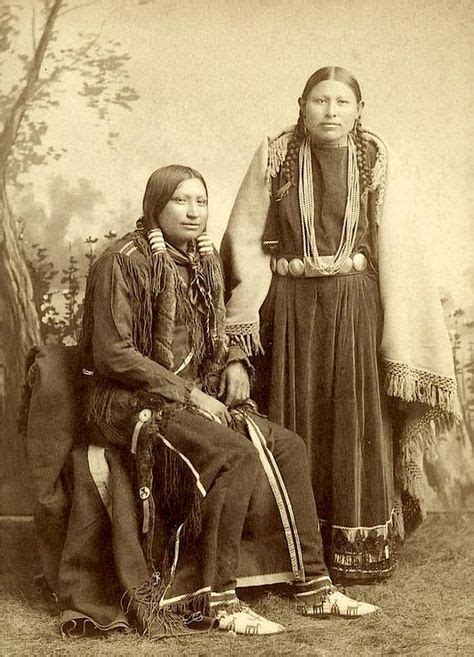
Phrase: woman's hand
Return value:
(210, 405)
(235, 384)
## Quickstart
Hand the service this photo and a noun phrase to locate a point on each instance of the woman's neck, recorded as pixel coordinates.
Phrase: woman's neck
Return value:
(327, 145)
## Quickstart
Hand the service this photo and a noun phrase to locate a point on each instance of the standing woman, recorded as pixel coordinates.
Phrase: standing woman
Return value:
(328, 288)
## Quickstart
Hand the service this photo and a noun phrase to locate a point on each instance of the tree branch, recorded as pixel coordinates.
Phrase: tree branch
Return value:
(68, 11)
(33, 25)
(85, 49)
(13, 121)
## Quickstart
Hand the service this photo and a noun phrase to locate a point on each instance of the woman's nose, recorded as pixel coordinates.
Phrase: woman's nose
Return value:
(331, 108)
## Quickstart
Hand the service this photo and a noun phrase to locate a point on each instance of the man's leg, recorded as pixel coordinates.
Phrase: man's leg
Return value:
(226, 463)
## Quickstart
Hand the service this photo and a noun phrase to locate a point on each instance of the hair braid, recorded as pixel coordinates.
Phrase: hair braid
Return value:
(362, 151)
(290, 165)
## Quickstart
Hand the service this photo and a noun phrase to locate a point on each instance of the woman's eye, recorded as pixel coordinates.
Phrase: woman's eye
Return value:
(179, 199)
(202, 201)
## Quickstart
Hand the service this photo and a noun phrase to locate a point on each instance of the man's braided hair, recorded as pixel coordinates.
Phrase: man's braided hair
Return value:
(290, 165)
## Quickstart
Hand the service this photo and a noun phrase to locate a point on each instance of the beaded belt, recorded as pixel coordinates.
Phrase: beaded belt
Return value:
(299, 268)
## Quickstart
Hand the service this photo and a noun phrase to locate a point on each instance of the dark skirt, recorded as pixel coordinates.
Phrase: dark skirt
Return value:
(321, 337)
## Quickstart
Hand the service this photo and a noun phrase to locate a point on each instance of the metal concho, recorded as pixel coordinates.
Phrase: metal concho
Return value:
(296, 267)
(282, 266)
(360, 261)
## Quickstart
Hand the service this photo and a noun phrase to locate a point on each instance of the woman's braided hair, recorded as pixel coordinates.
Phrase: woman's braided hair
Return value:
(290, 165)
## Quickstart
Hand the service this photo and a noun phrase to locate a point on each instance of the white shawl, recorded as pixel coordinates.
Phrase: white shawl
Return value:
(415, 349)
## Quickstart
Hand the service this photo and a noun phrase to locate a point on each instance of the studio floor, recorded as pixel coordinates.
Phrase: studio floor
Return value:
(427, 608)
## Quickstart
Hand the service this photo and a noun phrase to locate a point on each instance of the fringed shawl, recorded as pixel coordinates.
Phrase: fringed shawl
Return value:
(415, 349)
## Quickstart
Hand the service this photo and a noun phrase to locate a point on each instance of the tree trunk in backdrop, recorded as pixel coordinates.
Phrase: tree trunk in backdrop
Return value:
(19, 331)
(19, 325)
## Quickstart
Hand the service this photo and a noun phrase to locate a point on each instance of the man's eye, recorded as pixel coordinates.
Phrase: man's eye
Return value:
(202, 201)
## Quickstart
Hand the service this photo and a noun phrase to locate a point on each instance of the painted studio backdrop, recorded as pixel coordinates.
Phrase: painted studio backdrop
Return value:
(96, 95)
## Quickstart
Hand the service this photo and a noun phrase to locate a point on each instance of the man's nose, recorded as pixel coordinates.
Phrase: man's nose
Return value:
(193, 209)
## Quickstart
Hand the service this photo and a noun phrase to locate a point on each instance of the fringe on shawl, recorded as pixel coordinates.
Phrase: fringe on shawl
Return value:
(437, 393)
(246, 336)
(277, 150)
(438, 411)
(415, 438)
(412, 494)
(413, 384)
(422, 434)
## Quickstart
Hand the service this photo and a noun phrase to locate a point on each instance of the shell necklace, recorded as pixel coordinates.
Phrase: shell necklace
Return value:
(306, 202)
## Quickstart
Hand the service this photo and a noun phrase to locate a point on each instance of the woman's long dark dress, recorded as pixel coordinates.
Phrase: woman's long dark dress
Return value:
(321, 338)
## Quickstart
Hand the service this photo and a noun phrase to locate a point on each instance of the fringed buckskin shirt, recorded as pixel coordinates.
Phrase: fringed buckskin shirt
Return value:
(114, 353)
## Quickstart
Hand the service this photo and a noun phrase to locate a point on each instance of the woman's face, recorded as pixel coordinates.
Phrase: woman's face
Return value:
(184, 216)
(330, 111)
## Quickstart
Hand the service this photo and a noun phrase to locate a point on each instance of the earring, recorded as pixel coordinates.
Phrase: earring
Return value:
(157, 241)
(204, 244)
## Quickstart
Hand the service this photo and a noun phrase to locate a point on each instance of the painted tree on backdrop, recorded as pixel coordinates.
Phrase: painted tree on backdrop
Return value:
(30, 40)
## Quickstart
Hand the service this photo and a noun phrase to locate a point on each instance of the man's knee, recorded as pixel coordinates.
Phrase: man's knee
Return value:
(246, 454)
(291, 442)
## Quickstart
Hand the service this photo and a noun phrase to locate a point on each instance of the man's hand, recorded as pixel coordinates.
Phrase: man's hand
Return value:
(210, 405)
(235, 384)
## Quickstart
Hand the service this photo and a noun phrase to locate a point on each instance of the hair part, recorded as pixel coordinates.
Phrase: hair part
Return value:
(332, 73)
(290, 165)
(160, 188)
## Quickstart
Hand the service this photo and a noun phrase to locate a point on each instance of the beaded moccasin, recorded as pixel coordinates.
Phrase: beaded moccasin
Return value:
(242, 620)
(332, 603)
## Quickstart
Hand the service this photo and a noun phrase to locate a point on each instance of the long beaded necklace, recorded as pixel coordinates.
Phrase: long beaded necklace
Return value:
(306, 202)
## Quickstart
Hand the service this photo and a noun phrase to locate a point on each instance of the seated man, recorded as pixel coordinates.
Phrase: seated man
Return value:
(177, 500)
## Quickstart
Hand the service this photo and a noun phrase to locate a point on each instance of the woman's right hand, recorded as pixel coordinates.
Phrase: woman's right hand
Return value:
(210, 405)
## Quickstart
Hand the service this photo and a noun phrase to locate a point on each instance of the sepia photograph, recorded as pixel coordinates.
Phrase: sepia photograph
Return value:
(236, 327)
